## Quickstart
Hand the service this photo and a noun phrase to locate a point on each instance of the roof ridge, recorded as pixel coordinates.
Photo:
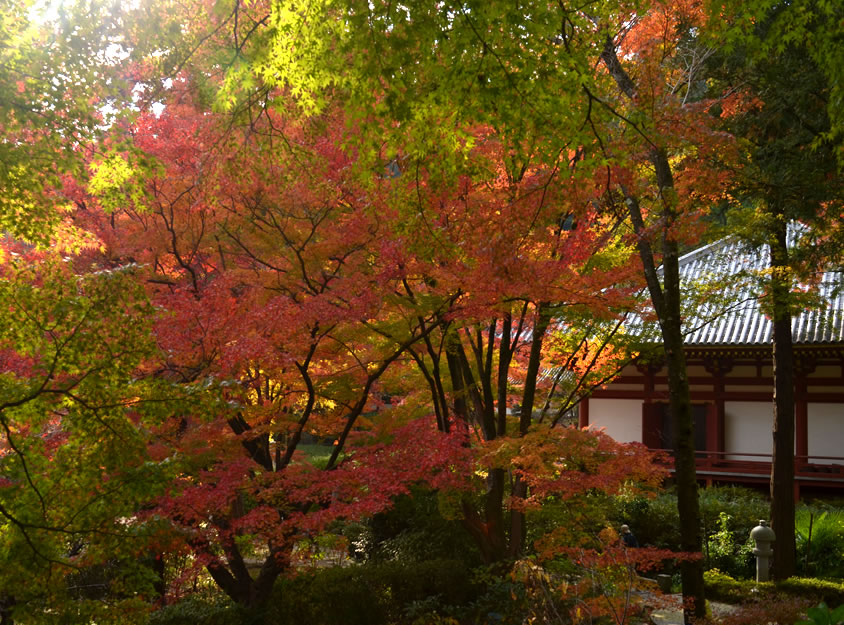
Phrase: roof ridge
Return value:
(705, 249)
(795, 230)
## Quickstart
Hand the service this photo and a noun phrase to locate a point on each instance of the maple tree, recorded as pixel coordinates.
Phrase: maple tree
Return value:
(72, 461)
(292, 289)
(265, 267)
(537, 313)
(71, 457)
(451, 224)
(422, 77)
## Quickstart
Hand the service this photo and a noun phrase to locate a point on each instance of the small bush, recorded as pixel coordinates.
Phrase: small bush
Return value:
(822, 615)
(193, 611)
(722, 587)
(820, 553)
(775, 611)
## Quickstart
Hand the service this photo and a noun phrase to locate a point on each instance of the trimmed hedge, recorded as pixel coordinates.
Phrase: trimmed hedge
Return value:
(194, 611)
(370, 594)
(382, 594)
(722, 587)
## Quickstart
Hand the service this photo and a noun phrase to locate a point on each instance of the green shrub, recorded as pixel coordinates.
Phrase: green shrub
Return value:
(503, 602)
(722, 587)
(194, 611)
(413, 529)
(331, 596)
(819, 590)
(744, 505)
(821, 553)
(728, 513)
(654, 521)
(822, 615)
(369, 594)
(726, 551)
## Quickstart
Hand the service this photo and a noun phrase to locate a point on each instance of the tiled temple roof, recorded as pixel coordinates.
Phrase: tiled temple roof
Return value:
(733, 316)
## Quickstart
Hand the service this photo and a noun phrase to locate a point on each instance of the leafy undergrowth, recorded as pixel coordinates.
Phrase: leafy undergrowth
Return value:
(820, 541)
(783, 611)
(722, 587)
(782, 603)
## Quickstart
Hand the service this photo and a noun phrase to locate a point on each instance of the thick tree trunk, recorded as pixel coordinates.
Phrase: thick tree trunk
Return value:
(685, 475)
(243, 589)
(7, 603)
(488, 530)
(782, 465)
(160, 571)
(232, 574)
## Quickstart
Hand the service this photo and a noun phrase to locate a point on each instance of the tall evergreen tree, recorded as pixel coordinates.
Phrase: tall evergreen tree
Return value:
(779, 109)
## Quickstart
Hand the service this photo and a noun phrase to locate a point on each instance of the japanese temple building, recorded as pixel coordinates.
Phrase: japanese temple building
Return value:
(728, 352)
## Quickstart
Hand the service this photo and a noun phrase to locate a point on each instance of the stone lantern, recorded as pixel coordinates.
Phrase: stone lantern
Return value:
(763, 536)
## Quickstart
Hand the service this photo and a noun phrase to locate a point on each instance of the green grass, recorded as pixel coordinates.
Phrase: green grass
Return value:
(317, 455)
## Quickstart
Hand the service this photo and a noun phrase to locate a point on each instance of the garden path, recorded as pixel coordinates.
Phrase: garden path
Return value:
(668, 610)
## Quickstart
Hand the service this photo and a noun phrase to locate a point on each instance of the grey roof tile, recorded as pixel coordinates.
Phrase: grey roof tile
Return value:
(736, 318)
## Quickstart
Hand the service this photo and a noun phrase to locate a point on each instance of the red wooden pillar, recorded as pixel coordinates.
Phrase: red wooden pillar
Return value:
(715, 428)
(803, 367)
(651, 425)
(715, 412)
(651, 418)
(801, 424)
(583, 413)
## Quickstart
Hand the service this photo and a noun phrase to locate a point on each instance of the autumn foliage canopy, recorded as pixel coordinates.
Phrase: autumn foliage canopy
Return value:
(304, 274)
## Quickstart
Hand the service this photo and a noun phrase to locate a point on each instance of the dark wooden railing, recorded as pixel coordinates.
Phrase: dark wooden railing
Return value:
(743, 467)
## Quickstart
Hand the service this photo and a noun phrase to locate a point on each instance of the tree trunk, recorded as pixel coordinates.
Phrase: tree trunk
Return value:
(489, 531)
(7, 603)
(782, 462)
(685, 475)
(232, 574)
(666, 301)
(519, 489)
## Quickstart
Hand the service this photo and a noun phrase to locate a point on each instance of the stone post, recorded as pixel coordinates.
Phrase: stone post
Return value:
(763, 536)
